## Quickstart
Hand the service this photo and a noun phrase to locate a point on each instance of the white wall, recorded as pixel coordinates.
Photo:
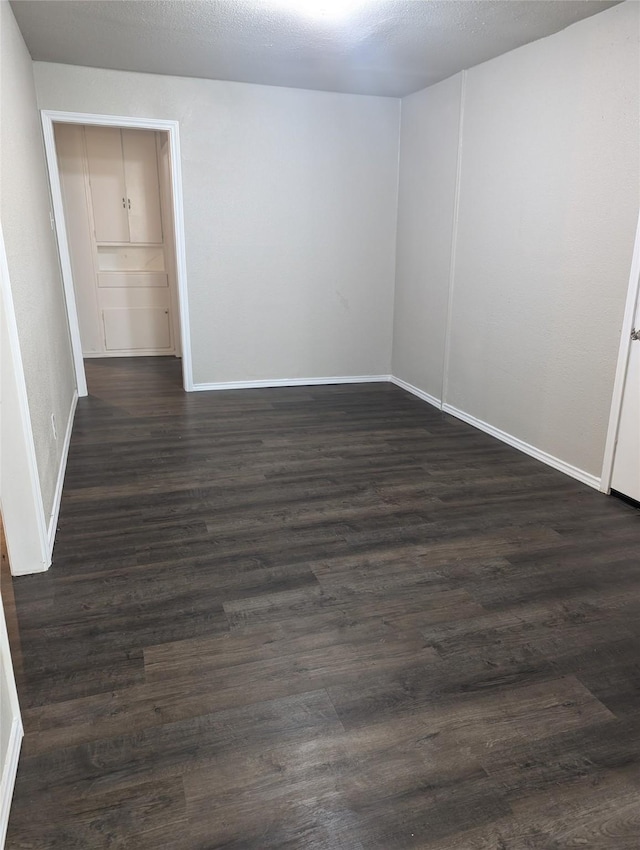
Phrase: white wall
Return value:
(428, 164)
(547, 213)
(32, 256)
(548, 210)
(290, 206)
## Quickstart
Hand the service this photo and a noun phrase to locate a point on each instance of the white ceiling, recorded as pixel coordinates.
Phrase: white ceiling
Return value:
(376, 47)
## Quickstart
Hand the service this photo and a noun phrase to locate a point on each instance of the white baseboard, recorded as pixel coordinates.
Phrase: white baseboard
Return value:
(532, 451)
(292, 382)
(57, 496)
(134, 352)
(9, 770)
(430, 399)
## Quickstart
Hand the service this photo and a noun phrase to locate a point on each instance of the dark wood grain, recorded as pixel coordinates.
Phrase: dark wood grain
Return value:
(322, 618)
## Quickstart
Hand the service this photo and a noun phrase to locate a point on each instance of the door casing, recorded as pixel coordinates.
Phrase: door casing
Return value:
(51, 117)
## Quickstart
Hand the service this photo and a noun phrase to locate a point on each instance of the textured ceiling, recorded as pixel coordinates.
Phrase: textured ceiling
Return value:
(375, 47)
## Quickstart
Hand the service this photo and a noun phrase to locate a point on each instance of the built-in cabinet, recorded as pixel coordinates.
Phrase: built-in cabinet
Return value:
(122, 261)
(125, 192)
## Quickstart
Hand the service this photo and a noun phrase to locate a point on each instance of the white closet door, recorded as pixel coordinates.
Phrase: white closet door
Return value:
(107, 178)
(137, 330)
(137, 319)
(141, 179)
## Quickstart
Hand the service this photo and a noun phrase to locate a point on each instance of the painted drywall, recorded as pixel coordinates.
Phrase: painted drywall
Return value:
(290, 208)
(32, 257)
(547, 217)
(426, 199)
(548, 205)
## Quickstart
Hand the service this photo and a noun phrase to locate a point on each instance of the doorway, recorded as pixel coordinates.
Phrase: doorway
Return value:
(117, 206)
(131, 313)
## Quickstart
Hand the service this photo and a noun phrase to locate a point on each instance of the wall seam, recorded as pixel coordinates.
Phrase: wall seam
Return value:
(454, 244)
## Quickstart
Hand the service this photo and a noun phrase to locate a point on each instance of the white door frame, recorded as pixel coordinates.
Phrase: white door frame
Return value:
(623, 363)
(49, 118)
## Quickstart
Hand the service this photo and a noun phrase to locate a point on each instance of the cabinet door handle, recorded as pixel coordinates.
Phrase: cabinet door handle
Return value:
(129, 200)
(124, 206)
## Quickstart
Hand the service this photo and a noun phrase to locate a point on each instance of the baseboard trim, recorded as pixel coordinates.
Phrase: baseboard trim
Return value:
(532, 451)
(9, 771)
(102, 355)
(291, 382)
(57, 496)
(430, 399)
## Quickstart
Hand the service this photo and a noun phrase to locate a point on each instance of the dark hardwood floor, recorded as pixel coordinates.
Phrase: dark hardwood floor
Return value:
(323, 618)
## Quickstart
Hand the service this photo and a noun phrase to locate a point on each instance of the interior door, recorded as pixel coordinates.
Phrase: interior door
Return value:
(626, 464)
(141, 180)
(108, 189)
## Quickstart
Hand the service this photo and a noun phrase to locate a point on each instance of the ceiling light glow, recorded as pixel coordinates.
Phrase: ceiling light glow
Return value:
(323, 10)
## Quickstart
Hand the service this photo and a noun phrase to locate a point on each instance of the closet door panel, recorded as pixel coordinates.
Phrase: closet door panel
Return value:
(107, 180)
(141, 179)
(137, 330)
(72, 165)
(137, 319)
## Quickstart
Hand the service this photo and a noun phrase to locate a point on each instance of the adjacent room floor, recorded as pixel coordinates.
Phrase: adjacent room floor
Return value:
(323, 618)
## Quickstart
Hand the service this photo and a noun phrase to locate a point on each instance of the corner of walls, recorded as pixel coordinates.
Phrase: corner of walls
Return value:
(544, 457)
(395, 241)
(547, 213)
(427, 191)
(416, 391)
(399, 378)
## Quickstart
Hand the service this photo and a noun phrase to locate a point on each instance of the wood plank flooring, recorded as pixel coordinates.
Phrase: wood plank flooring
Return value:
(323, 618)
